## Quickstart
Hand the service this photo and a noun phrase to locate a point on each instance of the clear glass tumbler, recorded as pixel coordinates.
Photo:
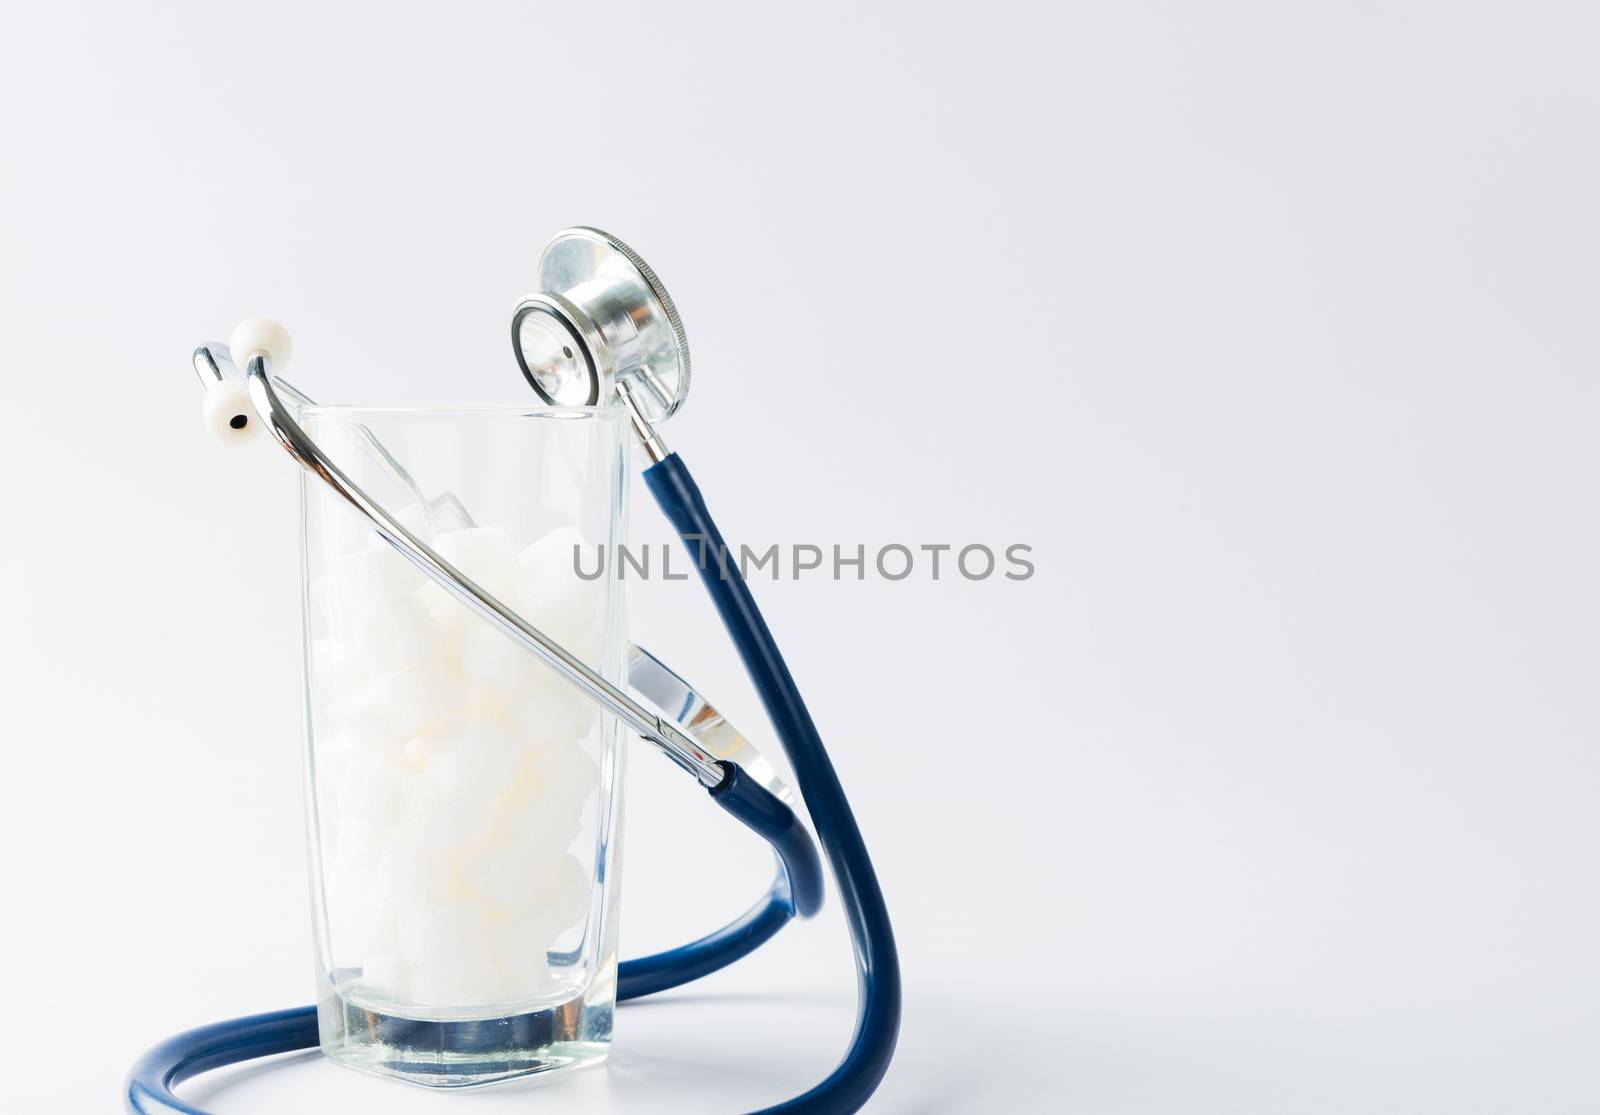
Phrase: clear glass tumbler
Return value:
(464, 800)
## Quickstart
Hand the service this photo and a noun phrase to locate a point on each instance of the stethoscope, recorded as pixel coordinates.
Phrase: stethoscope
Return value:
(602, 327)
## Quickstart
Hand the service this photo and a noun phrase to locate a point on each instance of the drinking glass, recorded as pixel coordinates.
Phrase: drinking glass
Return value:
(464, 800)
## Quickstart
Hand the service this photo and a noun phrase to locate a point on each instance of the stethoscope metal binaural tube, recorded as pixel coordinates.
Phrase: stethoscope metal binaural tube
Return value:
(673, 743)
(647, 674)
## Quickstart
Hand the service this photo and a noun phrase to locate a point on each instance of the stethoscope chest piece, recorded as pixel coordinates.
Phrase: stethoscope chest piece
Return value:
(601, 319)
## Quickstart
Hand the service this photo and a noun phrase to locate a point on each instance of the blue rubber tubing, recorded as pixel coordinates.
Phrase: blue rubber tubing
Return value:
(877, 1028)
(165, 1066)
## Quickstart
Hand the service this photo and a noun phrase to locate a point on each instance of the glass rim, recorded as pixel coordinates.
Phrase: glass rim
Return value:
(464, 410)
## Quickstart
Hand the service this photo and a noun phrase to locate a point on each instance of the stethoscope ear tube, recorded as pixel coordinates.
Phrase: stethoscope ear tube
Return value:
(760, 810)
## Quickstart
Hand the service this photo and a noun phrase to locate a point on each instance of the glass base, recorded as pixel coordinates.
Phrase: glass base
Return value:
(464, 1053)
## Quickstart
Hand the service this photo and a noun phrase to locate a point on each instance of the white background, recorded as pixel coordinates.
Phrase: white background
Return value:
(1271, 328)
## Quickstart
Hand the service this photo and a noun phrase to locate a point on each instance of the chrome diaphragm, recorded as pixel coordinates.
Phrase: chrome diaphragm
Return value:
(601, 319)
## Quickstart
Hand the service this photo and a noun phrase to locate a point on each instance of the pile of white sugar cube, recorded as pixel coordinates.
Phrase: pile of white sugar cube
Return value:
(451, 770)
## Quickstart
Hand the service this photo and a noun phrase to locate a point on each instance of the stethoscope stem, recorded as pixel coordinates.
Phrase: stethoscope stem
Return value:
(649, 438)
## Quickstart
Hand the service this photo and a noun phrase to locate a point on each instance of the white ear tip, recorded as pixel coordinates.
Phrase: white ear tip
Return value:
(263, 335)
(228, 413)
